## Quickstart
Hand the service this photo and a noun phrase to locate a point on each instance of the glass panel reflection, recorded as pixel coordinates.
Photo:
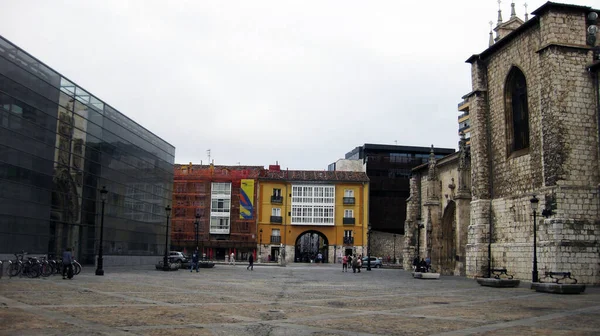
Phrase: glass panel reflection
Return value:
(59, 145)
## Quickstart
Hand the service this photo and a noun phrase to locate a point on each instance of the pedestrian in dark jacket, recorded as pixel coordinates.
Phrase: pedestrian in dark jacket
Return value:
(250, 262)
(67, 261)
(195, 258)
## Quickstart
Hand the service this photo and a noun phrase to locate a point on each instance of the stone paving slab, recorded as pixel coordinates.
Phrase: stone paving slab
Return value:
(295, 300)
(391, 325)
(23, 322)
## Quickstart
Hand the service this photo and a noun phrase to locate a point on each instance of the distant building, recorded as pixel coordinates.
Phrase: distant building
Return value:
(303, 213)
(388, 168)
(464, 120)
(348, 165)
(222, 200)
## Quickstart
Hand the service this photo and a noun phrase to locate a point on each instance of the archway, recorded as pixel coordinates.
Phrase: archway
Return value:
(447, 241)
(308, 246)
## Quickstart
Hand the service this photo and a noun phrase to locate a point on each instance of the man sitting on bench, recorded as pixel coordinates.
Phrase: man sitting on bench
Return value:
(422, 266)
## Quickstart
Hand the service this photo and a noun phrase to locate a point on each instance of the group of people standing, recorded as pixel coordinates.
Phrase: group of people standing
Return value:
(354, 262)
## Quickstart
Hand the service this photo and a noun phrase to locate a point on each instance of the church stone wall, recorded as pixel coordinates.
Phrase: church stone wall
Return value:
(513, 175)
(561, 166)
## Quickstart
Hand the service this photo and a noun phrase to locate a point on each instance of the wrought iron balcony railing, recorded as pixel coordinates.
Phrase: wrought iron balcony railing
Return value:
(349, 200)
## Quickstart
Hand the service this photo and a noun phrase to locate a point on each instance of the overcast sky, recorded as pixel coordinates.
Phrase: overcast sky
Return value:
(299, 82)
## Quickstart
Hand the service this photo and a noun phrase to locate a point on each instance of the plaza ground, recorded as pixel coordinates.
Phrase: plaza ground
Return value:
(300, 299)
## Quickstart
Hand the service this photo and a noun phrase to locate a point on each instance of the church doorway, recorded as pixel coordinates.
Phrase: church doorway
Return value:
(308, 246)
(447, 241)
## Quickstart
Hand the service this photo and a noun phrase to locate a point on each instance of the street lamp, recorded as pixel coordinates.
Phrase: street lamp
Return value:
(100, 269)
(394, 248)
(260, 245)
(369, 247)
(197, 228)
(166, 256)
(534, 207)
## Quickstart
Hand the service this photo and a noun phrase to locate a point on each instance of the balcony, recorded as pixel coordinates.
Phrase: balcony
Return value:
(464, 105)
(275, 239)
(276, 219)
(464, 129)
(348, 221)
(463, 115)
(349, 240)
(348, 200)
(276, 199)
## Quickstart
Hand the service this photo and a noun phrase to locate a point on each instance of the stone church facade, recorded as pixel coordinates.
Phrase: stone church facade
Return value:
(534, 110)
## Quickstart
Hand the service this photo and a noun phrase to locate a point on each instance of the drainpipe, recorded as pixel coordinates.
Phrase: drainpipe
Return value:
(491, 190)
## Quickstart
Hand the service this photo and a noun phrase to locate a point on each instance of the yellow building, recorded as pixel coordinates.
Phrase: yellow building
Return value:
(301, 214)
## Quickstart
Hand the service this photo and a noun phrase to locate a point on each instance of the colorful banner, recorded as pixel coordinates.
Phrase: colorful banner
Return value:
(247, 199)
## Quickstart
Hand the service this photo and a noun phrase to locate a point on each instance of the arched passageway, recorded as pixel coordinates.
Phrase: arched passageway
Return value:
(308, 246)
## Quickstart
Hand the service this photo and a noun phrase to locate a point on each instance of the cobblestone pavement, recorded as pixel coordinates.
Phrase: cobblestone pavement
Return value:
(298, 299)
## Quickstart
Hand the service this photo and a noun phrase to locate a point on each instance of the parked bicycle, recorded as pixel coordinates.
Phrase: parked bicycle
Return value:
(30, 268)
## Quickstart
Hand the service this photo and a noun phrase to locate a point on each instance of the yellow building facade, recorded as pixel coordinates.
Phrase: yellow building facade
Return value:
(304, 215)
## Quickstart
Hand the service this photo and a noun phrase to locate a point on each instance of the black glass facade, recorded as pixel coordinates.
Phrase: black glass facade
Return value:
(58, 146)
(389, 168)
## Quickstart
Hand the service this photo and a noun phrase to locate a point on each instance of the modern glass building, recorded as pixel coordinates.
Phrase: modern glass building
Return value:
(388, 168)
(59, 145)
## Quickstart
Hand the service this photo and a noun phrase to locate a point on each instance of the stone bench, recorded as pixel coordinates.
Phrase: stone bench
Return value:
(559, 283)
(500, 279)
(425, 275)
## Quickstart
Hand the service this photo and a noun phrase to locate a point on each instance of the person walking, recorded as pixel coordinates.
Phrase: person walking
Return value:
(359, 263)
(194, 261)
(345, 264)
(67, 261)
(232, 259)
(250, 262)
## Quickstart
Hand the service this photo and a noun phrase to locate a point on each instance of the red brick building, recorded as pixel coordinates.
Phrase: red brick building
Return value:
(222, 200)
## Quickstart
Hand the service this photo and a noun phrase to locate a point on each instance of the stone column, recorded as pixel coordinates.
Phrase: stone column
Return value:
(413, 203)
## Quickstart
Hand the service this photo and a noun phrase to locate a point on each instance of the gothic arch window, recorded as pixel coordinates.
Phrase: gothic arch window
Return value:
(517, 112)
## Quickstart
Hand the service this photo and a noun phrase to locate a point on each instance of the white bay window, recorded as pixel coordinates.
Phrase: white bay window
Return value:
(313, 204)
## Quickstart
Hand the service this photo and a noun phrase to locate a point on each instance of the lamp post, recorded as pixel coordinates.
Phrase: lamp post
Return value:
(100, 269)
(394, 248)
(260, 245)
(534, 207)
(197, 228)
(166, 256)
(369, 248)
